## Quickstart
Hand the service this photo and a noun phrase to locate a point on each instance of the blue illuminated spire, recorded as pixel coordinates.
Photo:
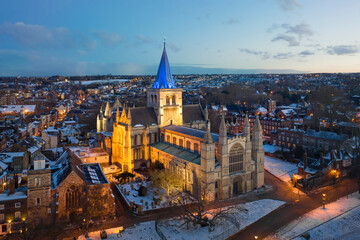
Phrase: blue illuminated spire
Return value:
(164, 78)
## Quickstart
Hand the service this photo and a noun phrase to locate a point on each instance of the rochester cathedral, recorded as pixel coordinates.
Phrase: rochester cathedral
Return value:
(179, 136)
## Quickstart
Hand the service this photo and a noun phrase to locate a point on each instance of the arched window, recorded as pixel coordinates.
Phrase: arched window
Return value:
(155, 99)
(188, 145)
(181, 143)
(72, 197)
(168, 138)
(167, 100)
(196, 147)
(152, 98)
(174, 140)
(173, 100)
(236, 159)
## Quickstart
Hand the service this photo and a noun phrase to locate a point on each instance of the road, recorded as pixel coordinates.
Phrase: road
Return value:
(293, 209)
(297, 205)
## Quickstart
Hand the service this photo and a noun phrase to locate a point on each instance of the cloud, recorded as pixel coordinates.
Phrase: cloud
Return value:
(231, 21)
(306, 53)
(263, 54)
(283, 55)
(37, 36)
(172, 47)
(300, 30)
(289, 5)
(273, 28)
(109, 39)
(343, 50)
(292, 41)
(143, 39)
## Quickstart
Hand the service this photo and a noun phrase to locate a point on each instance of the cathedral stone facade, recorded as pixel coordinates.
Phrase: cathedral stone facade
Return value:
(179, 136)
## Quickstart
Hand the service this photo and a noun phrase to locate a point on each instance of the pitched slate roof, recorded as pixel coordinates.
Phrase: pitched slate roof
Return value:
(143, 116)
(192, 113)
(192, 132)
(178, 152)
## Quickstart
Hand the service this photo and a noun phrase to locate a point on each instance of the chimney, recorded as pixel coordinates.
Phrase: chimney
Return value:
(305, 161)
(321, 161)
(12, 186)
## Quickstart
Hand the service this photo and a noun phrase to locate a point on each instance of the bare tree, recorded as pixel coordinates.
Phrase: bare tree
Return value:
(97, 203)
(197, 212)
(168, 180)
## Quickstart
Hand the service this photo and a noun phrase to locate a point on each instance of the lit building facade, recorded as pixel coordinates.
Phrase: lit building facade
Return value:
(179, 136)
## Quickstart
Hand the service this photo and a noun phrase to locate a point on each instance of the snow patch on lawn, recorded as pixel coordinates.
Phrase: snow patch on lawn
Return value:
(242, 216)
(281, 169)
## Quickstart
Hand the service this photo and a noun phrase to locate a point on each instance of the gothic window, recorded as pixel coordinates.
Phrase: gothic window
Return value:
(167, 100)
(181, 143)
(72, 197)
(173, 100)
(236, 159)
(188, 145)
(196, 147)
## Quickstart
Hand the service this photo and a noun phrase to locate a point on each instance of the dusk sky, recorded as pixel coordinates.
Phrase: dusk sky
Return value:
(125, 37)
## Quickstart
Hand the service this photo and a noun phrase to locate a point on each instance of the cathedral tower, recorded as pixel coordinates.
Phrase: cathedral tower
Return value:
(164, 97)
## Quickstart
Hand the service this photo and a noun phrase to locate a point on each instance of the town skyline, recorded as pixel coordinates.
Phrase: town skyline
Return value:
(265, 36)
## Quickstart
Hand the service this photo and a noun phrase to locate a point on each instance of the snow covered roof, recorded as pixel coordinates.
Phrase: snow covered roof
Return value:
(17, 108)
(13, 196)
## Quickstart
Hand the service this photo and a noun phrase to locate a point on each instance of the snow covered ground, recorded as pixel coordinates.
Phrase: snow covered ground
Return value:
(140, 231)
(131, 194)
(239, 219)
(334, 227)
(253, 211)
(281, 169)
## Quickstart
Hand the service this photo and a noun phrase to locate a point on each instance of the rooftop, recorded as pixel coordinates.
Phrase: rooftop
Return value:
(178, 152)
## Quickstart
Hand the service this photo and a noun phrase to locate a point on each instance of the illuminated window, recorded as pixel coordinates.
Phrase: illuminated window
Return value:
(188, 144)
(196, 147)
(236, 159)
(17, 215)
(37, 182)
(181, 143)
